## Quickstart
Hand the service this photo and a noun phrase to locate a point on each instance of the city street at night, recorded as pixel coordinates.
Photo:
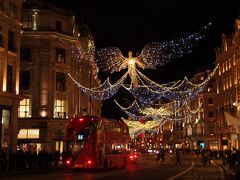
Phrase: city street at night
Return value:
(145, 168)
(118, 90)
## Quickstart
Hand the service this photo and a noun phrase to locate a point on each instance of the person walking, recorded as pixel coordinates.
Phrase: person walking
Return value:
(162, 155)
(158, 158)
(178, 156)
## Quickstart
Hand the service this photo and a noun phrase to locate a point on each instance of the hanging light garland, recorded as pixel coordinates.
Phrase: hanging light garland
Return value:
(162, 112)
(104, 91)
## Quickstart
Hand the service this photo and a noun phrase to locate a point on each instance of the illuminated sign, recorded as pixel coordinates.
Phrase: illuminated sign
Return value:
(80, 137)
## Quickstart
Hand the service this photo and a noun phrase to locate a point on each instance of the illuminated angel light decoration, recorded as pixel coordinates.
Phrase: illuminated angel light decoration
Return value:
(139, 126)
(153, 54)
(167, 111)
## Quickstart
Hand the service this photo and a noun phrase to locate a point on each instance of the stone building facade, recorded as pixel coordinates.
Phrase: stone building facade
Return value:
(10, 26)
(50, 49)
(228, 87)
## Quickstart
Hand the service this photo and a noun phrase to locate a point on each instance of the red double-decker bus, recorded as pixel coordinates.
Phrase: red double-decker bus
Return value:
(97, 142)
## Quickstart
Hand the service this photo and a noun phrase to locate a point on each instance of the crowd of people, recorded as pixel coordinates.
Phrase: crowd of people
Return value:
(22, 160)
(228, 157)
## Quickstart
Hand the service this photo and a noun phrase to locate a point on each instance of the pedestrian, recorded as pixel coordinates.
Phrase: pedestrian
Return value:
(158, 158)
(178, 156)
(162, 155)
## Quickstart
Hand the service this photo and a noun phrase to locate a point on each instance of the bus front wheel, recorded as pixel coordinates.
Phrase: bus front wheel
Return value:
(105, 165)
(124, 163)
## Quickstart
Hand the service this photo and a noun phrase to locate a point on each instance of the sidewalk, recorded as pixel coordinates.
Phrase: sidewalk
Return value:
(29, 171)
(229, 173)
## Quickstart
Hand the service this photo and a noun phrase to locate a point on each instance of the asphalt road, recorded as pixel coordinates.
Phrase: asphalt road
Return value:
(145, 168)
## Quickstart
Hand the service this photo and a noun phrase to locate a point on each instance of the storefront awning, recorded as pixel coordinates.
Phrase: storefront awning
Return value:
(232, 121)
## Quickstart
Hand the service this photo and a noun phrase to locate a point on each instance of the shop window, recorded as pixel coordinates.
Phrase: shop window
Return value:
(28, 134)
(4, 131)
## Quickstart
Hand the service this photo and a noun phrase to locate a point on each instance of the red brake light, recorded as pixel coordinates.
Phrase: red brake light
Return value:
(67, 162)
(131, 157)
(89, 162)
(80, 119)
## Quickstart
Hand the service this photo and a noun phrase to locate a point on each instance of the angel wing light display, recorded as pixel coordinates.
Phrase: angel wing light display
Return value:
(153, 54)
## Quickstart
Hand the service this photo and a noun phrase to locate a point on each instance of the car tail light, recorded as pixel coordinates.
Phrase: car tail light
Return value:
(131, 157)
(68, 162)
(80, 119)
(135, 155)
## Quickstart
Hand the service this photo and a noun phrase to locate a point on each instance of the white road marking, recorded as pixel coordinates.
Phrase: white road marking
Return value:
(183, 172)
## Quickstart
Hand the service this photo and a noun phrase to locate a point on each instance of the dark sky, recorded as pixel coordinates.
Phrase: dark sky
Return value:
(130, 24)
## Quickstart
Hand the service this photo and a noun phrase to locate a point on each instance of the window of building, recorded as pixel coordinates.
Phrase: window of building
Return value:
(1, 37)
(211, 129)
(226, 66)
(24, 109)
(210, 114)
(60, 82)
(1, 5)
(25, 80)
(210, 100)
(12, 10)
(28, 134)
(60, 55)
(9, 78)
(230, 80)
(59, 26)
(11, 41)
(5, 124)
(60, 108)
(224, 87)
(25, 54)
(234, 60)
(226, 82)
(27, 22)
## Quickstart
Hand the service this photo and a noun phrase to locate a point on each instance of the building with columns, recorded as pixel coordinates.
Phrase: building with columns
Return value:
(51, 48)
(10, 26)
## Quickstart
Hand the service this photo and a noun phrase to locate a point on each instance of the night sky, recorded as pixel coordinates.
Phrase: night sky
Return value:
(129, 25)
